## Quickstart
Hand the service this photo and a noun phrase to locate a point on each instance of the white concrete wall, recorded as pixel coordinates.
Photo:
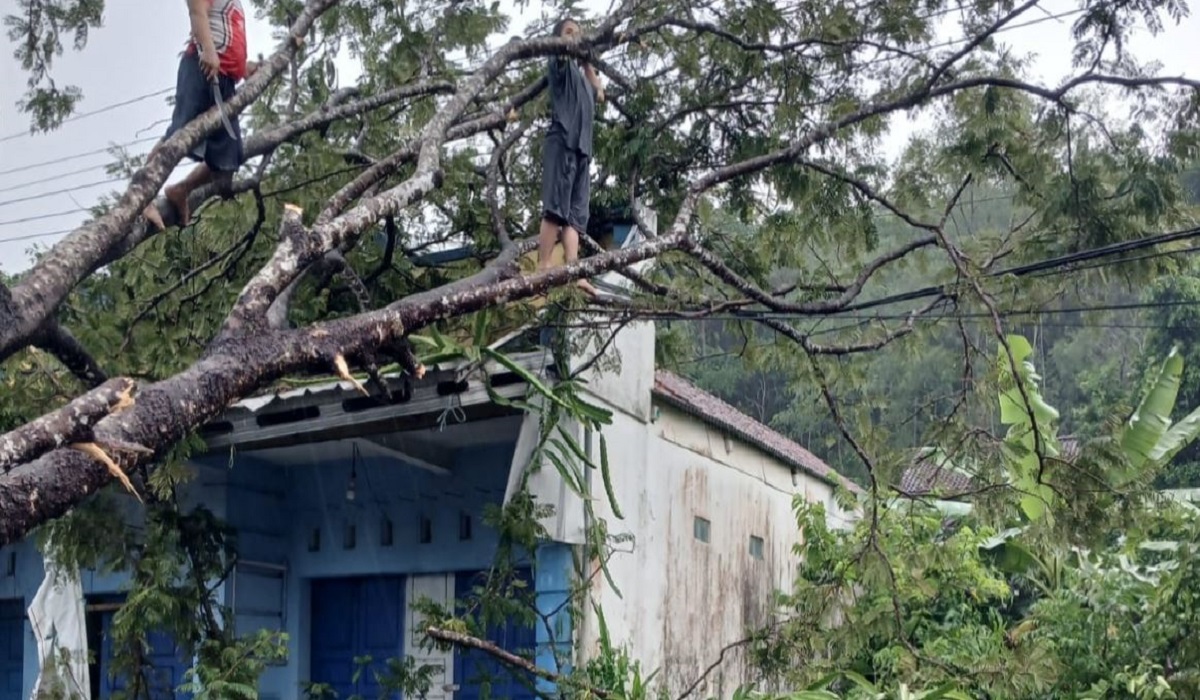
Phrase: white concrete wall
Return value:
(684, 600)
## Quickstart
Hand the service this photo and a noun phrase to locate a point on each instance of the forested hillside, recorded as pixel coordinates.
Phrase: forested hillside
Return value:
(1098, 326)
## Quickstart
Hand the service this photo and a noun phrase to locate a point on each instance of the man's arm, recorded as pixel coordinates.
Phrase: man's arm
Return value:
(594, 79)
(198, 13)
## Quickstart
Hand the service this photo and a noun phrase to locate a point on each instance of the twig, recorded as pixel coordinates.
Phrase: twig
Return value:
(505, 657)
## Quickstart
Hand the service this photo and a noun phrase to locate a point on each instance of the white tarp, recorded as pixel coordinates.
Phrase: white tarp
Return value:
(60, 627)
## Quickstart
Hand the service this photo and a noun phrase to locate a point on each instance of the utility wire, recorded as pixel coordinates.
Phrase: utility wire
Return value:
(65, 190)
(1039, 266)
(266, 195)
(77, 156)
(54, 178)
(39, 217)
(85, 115)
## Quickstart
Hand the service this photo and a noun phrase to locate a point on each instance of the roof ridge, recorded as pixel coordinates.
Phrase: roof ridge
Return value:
(671, 386)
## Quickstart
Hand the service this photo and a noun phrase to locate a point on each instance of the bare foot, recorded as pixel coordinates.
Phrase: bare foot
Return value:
(178, 197)
(150, 213)
(586, 287)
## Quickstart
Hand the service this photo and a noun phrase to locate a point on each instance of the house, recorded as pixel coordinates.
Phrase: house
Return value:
(349, 509)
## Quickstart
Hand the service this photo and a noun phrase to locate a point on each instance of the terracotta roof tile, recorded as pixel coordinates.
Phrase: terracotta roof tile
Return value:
(694, 400)
(928, 477)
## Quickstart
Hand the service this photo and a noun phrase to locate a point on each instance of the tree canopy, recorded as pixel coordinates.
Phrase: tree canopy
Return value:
(752, 129)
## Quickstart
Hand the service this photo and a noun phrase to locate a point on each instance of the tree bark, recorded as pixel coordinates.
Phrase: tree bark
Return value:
(238, 365)
(69, 424)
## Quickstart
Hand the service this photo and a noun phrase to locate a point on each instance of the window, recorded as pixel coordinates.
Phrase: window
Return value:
(426, 530)
(464, 526)
(701, 529)
(350, 536)
(756, 547)
(385, 532)
(314, 539)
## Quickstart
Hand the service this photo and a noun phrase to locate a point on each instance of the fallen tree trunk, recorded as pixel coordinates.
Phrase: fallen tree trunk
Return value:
(167, 411)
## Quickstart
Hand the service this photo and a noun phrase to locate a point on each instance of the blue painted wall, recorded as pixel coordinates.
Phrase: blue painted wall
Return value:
(22, 583)
(276, 510)
(555, 566)
(314, 499)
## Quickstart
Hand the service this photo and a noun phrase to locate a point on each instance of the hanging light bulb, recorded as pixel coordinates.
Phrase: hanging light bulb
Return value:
(353, 483)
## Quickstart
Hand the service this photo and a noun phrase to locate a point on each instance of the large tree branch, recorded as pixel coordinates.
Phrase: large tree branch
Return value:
(264, 143)
(69, 424)
(52, 278)
(169, 410)
(300, 250)
(495, 119)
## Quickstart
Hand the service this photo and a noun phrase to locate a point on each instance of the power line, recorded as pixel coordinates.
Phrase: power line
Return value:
(1039, 266)
(39, 217)
(77, 156)
(51, 193)
(53, 178)
(266, 195)
(101, 110)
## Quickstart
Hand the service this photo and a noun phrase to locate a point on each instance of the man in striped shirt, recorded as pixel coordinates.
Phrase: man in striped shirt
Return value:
(215, 54)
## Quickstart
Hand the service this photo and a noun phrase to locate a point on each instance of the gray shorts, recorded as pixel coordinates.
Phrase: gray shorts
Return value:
(566, 175)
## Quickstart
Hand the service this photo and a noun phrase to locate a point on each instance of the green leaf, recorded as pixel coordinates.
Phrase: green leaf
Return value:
(1153, 414)
(528, 377)
(1177, 438)
(607, 475)
(481, 327)
(566, 471)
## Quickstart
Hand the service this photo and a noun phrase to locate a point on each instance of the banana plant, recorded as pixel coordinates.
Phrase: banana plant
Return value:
(1149, 440)
(1032, 434)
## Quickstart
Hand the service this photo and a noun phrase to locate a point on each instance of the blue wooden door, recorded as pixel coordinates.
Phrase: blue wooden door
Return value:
(12, 649)
(168, 666)
(477, 674)
(354, 618)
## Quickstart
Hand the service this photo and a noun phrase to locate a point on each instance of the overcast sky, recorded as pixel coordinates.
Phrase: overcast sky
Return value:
(133, 58)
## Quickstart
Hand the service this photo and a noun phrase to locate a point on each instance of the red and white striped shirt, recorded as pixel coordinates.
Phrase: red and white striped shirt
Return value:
(227, 24)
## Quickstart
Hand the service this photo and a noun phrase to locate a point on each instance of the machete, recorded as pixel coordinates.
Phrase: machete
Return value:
(225, 118)
(216, 91)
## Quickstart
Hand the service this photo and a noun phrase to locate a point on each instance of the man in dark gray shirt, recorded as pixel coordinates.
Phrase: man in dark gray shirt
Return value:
(567, 153)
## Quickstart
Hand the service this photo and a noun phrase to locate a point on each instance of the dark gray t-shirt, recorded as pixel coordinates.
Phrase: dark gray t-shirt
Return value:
(572, 104)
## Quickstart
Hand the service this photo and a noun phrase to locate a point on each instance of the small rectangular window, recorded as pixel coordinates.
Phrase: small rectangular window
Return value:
(464, 526)
(701, 529)
(756, 547)
(426, 530)
(385, 532)
(314, 539)
(350, 536)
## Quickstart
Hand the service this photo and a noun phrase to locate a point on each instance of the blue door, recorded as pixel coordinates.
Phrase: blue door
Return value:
(12, 649)
(167, 665)
(354, 618)
(477, 674)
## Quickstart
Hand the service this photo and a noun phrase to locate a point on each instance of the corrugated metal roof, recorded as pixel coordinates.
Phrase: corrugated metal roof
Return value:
(692, 399)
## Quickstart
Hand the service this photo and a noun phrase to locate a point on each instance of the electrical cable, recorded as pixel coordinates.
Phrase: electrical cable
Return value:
(85, 115)
(77, 156)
